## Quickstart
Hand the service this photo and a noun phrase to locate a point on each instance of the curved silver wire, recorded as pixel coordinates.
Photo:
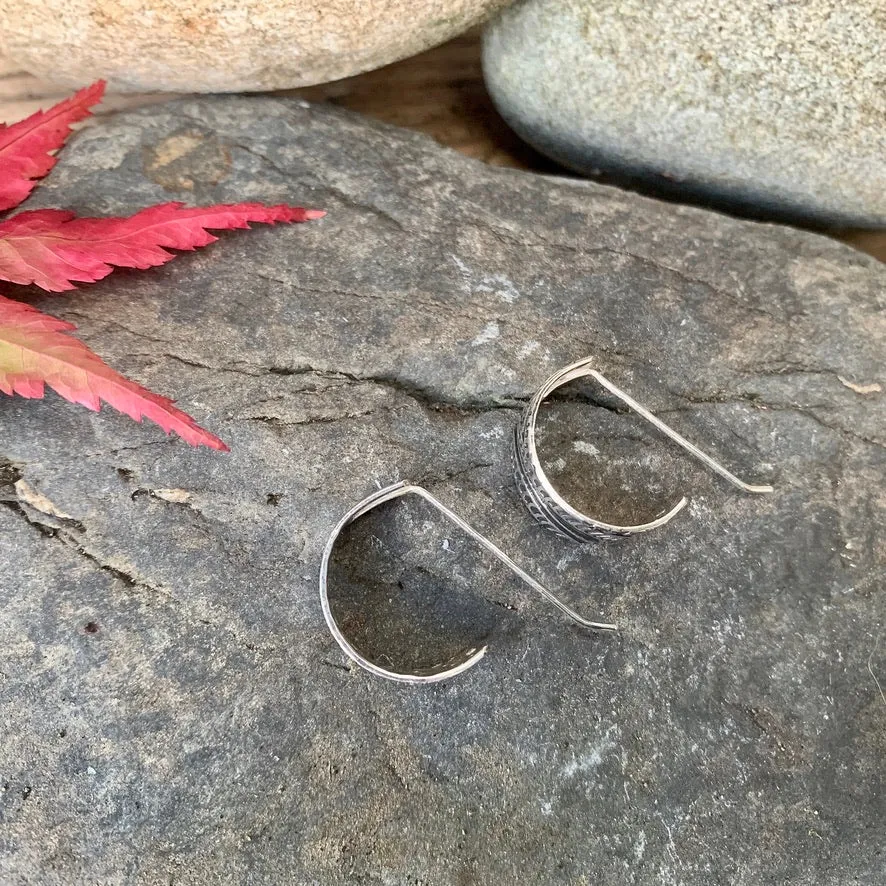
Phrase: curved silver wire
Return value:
(548, 507)
(447, 669)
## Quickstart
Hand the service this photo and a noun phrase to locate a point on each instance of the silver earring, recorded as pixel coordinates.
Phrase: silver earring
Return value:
(548, 507)
(447, 669)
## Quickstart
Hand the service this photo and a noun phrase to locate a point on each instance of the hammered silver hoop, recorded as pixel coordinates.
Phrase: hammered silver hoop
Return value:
(470, 657)
(548, 507)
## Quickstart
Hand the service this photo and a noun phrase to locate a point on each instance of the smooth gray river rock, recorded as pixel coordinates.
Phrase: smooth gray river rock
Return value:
(776, 109)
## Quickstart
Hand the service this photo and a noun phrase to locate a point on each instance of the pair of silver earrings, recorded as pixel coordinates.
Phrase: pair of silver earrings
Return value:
(544, 503)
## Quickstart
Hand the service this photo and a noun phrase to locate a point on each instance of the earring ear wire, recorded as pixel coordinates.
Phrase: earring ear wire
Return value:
(548, 507)
(471, 657)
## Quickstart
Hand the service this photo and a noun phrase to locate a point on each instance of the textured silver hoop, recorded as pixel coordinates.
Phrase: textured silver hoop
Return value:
(548, 507)
(453, 667)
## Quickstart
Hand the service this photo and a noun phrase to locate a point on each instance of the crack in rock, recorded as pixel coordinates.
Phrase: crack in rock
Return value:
(52, 530)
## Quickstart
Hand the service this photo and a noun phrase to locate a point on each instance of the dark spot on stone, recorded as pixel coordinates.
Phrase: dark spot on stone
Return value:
(26, 792)
(91, 627)
(274, 498)
(9, 474)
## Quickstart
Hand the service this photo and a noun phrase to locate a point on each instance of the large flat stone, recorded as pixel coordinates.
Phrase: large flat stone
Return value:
(173, 707)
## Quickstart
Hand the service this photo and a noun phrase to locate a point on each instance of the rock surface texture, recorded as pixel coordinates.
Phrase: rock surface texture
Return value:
(777, 108)
(220, 46)
(172, 706)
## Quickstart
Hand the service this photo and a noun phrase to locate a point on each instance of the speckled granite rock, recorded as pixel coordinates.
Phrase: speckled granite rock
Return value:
(773, 108)
(173, 708)
(220, 46)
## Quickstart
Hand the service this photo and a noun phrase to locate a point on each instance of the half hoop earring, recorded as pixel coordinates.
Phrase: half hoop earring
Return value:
(447, 669)
(548, 507)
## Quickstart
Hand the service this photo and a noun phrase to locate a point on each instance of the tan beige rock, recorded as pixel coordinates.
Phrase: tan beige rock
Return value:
(223, 45)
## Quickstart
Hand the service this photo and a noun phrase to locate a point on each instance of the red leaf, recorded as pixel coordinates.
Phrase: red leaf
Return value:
(51, 248)
(25, 146)
(35, 351)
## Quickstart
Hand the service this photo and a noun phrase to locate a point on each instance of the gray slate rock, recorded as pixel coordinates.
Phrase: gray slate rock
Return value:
(769, 108)
(173, 707)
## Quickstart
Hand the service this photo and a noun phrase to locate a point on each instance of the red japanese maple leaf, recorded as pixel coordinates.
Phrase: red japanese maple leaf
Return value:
(53, 249)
